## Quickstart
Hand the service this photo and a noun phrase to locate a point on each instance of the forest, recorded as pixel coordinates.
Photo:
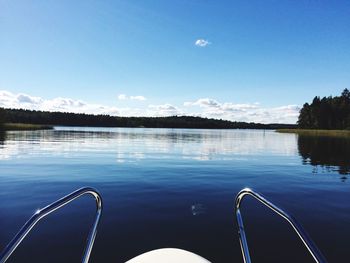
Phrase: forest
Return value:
(328, 113)
(73, 119)
(2, 117)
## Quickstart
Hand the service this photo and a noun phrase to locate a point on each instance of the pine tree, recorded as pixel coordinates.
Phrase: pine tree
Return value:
(2, 117)
(326, 113)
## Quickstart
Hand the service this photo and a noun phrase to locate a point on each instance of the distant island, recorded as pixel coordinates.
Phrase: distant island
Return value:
(30, 117)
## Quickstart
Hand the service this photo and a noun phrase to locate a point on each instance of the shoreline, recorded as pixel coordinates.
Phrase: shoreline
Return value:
(25, 127)
(317, 132)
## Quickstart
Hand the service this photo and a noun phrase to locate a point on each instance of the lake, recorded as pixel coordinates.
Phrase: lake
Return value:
(174, 188)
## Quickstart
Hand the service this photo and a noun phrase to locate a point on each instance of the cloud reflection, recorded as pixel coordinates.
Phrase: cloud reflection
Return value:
(132, 145)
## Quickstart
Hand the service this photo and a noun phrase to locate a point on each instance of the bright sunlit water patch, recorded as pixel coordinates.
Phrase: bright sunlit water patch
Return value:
(173, 188)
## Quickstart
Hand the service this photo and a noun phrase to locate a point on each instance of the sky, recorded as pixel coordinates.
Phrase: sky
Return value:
(237, 60)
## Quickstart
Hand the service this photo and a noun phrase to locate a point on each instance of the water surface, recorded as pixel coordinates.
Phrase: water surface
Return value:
(174, 188)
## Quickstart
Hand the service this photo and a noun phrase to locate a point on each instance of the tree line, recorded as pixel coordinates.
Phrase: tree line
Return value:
(2, 118)
(326, 113)
(74, 119)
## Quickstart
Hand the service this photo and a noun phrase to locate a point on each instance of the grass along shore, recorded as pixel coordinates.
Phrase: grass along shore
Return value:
(310, 132)
(25, 126)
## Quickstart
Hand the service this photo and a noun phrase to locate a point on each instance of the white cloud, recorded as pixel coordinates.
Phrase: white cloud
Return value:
(209, 104)
(248, 112)
(206, 103)
(202, 43)
(122, 97)
(23, 98)
(24, 101)
(203, 107)
(140, 98)
(125, 97)
(163, 110)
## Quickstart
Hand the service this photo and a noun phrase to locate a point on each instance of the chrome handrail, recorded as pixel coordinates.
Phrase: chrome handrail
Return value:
(309, 244)
(41, 213)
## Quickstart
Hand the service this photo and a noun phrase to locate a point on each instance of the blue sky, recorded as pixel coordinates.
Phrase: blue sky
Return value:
(262, 57)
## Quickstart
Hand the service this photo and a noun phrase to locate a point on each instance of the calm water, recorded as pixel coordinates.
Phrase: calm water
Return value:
(174, 188)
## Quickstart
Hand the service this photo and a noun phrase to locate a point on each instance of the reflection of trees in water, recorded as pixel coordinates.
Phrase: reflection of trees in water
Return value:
(134, 134)
(326, 152)
(2, 137)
